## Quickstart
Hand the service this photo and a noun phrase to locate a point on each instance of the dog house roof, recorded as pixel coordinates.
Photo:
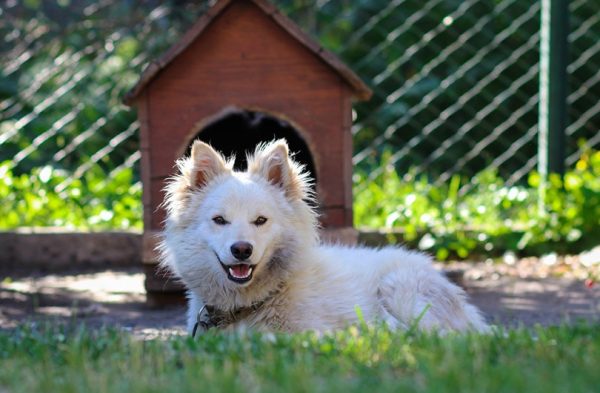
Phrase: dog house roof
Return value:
(359, 88)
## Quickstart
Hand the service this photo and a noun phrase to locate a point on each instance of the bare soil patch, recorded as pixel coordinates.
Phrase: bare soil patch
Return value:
(512, 293)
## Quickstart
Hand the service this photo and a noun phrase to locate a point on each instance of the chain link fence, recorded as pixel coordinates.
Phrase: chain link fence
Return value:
(456, 82)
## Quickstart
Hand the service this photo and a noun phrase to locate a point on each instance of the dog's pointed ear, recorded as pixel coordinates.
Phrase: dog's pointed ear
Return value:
(206, 164)
(273, 163)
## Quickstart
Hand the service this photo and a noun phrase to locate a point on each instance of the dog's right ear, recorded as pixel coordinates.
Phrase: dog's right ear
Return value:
(206, 164)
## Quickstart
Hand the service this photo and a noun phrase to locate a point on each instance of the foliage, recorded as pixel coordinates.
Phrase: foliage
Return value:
(487, 218)
(64, 69)
(95, 201)
(484, 215)
(559, 359)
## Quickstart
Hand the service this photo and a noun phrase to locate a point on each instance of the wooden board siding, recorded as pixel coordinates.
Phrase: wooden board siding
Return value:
(246, 60)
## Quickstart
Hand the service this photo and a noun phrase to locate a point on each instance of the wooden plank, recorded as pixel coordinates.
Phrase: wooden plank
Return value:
(148, 211)
(165, 299)
(54, 251)
(159, 280)
(150, 242)
(156, 66)
(333, 217)
(344, 235)
(347, 151)
(144, 120)
(146, 173)
(157, 196)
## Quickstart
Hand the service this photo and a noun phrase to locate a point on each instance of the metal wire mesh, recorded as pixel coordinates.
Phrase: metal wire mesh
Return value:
(64, 70)
(455, 81)
(461, 93)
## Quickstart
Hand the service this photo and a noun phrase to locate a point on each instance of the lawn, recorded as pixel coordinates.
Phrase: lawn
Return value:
(359, 359)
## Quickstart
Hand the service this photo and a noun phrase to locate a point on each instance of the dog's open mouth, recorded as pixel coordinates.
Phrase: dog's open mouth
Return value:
(241, 273)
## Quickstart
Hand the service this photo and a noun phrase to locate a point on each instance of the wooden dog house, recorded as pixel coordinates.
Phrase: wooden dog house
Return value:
(243, 74)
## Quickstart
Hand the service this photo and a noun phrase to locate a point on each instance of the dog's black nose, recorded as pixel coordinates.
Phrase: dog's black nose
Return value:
(241, 250)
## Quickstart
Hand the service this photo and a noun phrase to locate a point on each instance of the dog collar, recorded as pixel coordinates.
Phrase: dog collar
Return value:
(211, 317)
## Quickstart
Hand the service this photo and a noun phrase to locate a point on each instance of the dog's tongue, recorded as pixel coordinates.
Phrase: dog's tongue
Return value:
(240, 270)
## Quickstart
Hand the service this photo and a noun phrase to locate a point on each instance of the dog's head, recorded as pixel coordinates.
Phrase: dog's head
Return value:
(237, 231)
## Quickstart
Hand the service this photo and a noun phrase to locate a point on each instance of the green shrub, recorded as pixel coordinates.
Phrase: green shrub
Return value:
(448, 220)
(486, 216)
(94, 202)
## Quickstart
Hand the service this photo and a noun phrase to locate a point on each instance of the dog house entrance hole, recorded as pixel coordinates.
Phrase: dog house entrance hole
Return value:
(238, 132)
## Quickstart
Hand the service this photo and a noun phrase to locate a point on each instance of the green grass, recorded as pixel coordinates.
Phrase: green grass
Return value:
(561, 359)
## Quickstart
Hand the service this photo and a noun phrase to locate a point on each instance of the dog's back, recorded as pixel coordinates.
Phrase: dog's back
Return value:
(391, 285)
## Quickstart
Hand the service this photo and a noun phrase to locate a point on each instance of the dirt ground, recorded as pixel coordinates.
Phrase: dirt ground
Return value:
(521, 293)
(113, 298)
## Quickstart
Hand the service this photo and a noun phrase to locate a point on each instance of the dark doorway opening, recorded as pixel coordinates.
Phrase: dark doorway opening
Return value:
(238, 132)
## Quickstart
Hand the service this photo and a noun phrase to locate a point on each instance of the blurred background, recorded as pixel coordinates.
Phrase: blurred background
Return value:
(445, 152)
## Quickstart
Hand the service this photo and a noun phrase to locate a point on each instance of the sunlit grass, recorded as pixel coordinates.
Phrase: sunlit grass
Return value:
(562, 359)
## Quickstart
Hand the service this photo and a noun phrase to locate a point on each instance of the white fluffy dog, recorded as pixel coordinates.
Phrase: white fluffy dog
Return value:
(246, 246)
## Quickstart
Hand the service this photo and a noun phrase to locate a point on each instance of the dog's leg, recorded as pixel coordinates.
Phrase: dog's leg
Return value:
(426, 297)
(386, 315)
(194, 305)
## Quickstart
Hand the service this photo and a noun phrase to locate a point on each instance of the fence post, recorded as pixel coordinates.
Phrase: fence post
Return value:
(552, 120)
(553, 86)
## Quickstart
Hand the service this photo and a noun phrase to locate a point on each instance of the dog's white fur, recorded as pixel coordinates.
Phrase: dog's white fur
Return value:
(308, 286)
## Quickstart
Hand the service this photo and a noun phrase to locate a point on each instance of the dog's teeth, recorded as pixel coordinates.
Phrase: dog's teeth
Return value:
(242, 275)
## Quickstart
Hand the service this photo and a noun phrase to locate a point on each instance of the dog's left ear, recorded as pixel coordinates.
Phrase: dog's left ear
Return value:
(273, 163)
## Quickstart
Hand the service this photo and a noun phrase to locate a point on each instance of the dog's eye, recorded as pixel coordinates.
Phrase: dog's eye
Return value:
(219, 220)
(260, 221)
